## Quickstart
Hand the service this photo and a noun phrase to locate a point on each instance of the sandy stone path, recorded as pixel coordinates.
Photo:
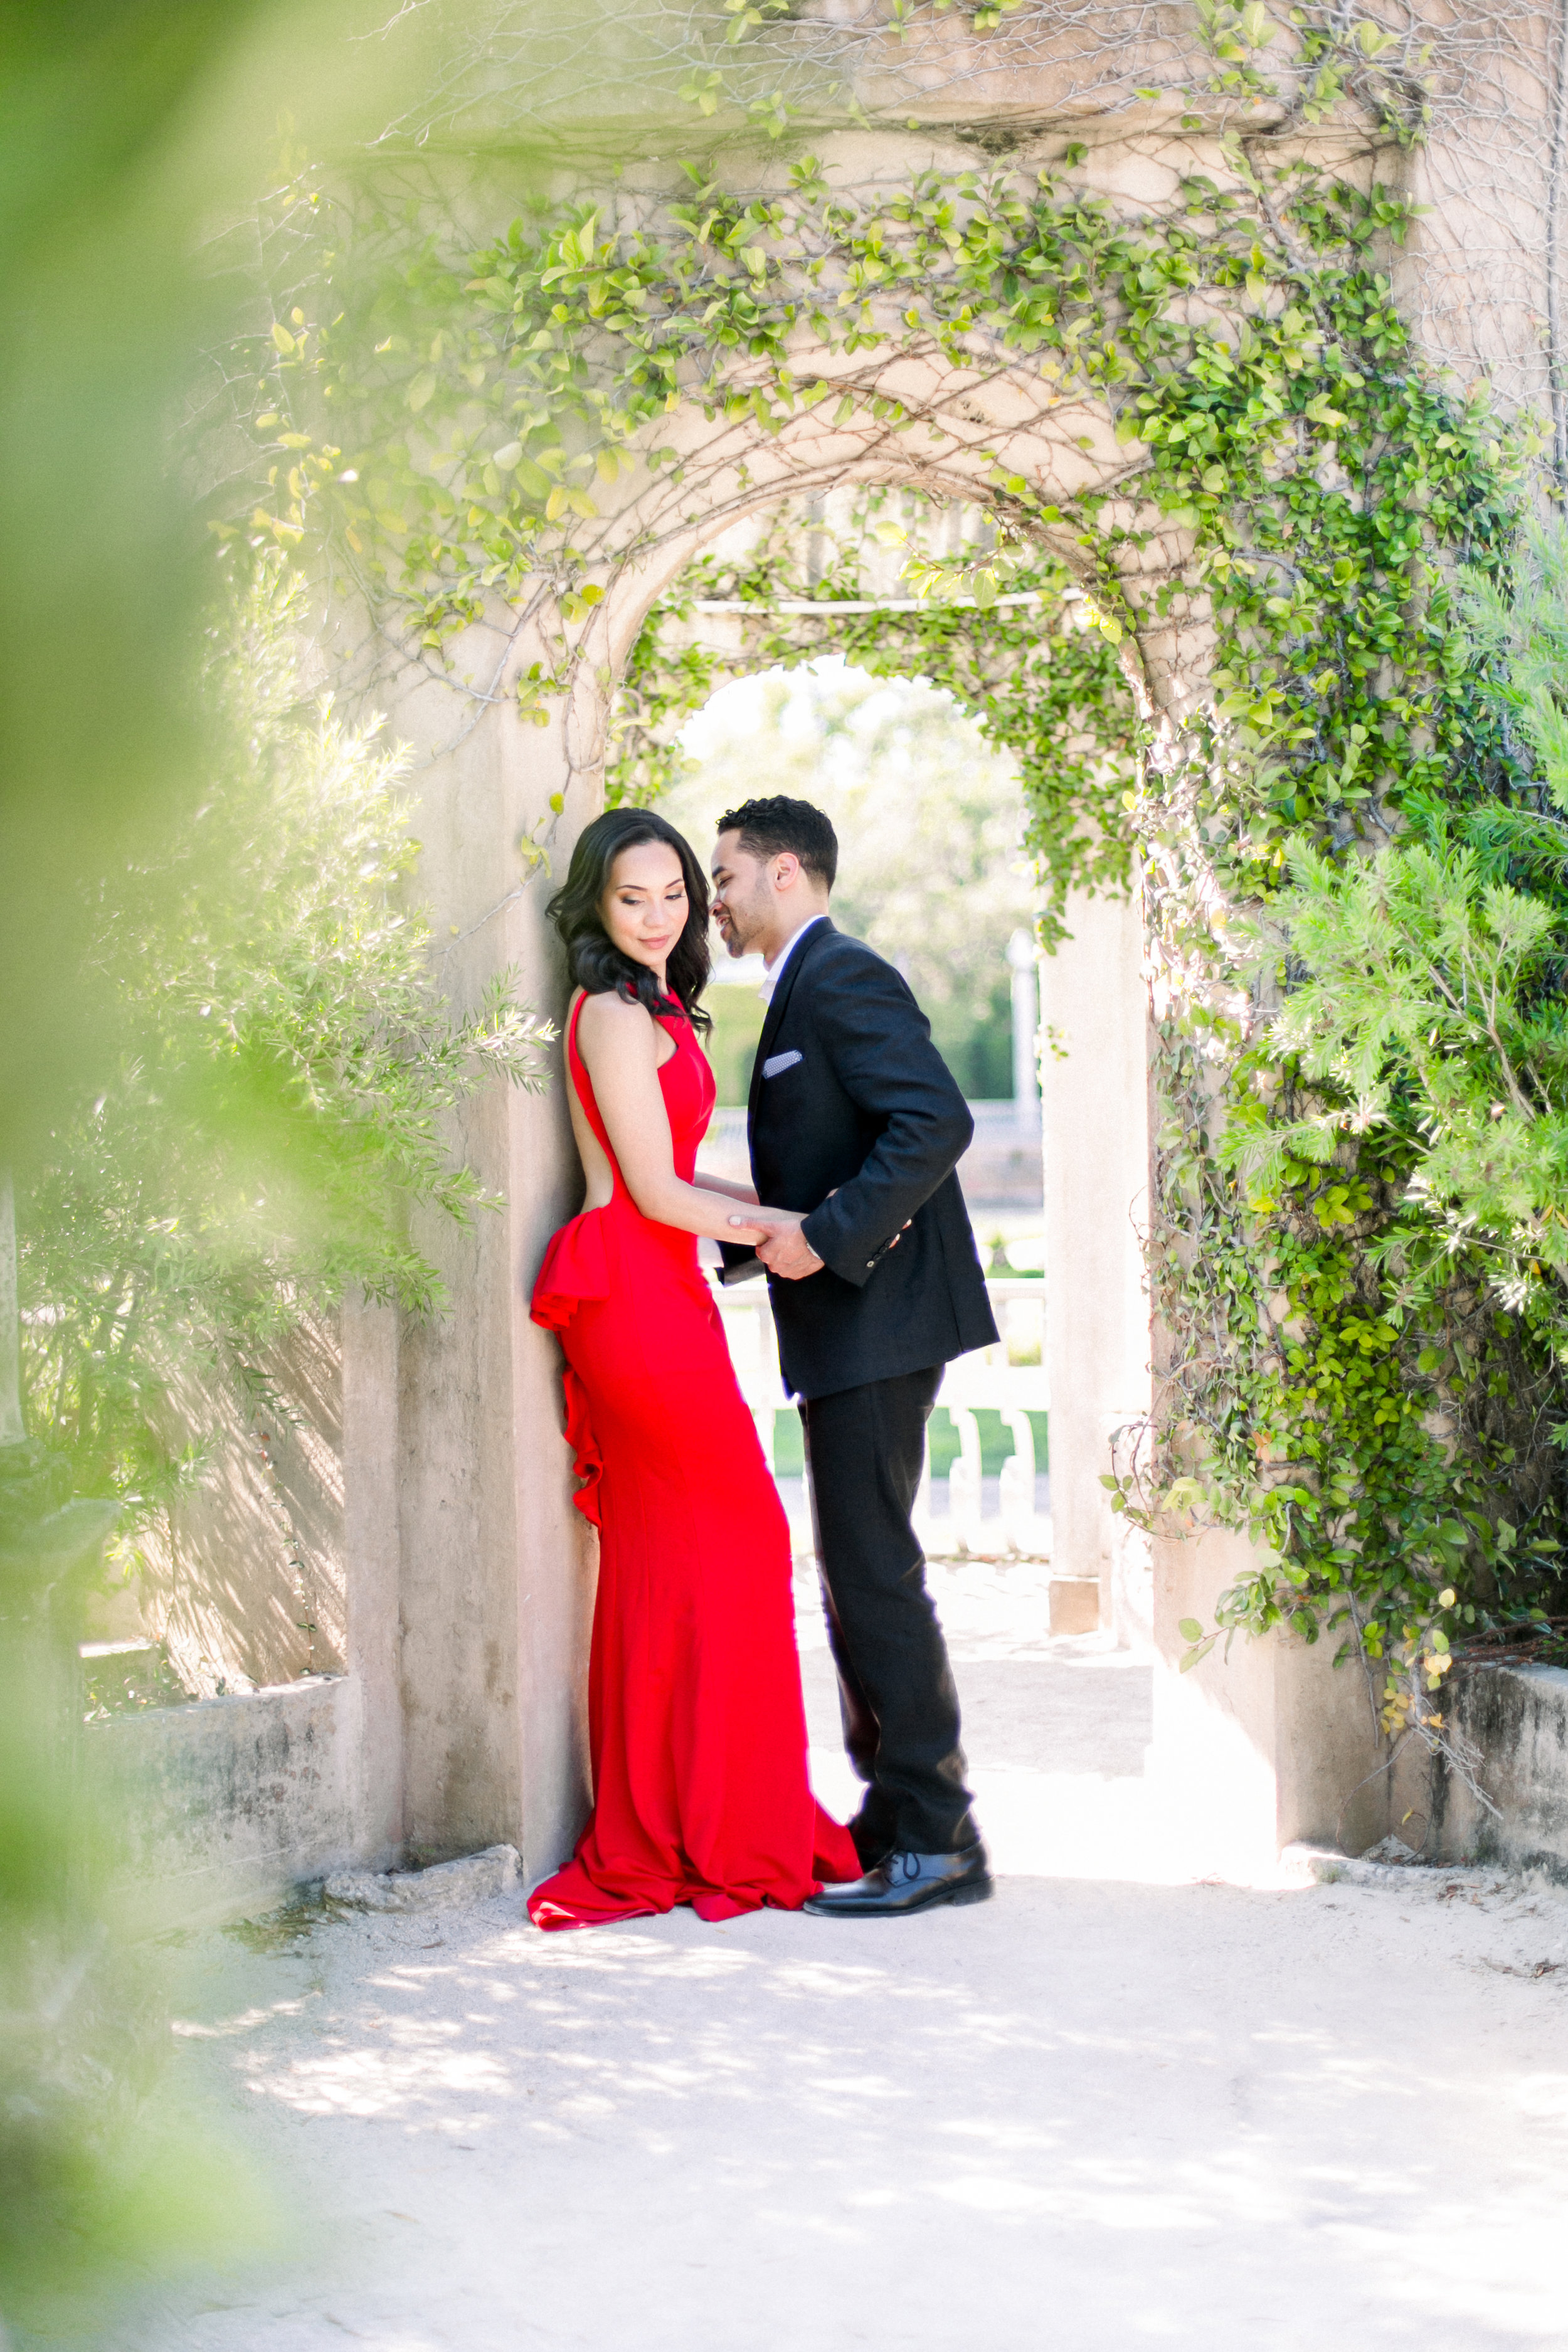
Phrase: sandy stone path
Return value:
(1112, 2107)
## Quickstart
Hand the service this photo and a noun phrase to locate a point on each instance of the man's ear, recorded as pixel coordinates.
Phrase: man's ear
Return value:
(786, 865)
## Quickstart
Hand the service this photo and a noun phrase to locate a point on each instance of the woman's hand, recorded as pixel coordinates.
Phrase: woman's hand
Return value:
(781, 1245)
(762, 1226)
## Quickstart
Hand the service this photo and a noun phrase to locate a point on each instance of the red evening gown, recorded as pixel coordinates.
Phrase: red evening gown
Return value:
(696, 1724)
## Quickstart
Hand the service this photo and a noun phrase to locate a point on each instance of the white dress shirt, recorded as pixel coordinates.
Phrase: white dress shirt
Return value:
(774, 972)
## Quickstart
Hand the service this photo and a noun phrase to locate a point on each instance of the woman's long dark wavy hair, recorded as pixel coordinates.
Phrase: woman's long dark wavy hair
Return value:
(595, 962)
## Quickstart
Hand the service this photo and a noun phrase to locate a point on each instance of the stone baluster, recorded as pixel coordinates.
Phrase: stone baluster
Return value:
(965, 1480)
(1017, 1483)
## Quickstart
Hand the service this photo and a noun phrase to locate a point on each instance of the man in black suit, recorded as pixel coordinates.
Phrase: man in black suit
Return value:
(856, 1119)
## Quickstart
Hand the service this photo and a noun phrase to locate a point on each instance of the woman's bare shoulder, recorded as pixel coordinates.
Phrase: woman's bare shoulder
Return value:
(606, 1014)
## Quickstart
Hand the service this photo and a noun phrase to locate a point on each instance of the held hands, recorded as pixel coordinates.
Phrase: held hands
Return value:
(776, 1234)
(779, 1241)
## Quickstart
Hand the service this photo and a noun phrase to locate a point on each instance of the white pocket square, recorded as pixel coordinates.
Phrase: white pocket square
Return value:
(777, 1062)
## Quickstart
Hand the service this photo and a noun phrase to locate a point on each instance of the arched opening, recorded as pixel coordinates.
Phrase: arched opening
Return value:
(997, 653)
(935, 872)
(930, 820)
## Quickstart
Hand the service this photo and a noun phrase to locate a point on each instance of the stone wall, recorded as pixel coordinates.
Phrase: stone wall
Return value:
(1510, 1724)
(225, 1807)
(243, 1579)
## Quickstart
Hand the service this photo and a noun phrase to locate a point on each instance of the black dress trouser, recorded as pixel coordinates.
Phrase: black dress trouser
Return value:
(864, 1449)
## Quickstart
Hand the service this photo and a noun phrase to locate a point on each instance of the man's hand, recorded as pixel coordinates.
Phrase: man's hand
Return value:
(783, 1249)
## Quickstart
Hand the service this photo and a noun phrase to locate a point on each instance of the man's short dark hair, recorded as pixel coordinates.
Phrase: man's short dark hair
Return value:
(768, 828)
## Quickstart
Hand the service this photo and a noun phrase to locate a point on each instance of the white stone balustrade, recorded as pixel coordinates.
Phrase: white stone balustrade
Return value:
(1009, 1379)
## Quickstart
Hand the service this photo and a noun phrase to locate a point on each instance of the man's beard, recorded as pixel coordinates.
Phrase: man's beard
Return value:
(736, 937)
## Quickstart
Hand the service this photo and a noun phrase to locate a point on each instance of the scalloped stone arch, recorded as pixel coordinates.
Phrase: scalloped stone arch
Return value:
(474, 1574)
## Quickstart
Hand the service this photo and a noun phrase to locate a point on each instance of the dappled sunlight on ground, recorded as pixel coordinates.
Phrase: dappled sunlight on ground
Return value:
(1099, 2111)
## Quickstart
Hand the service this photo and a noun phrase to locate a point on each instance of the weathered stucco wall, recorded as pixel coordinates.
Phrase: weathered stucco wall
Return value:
(494, 1569)
(243, 1577)
(1510, 1724)
(224, 1807)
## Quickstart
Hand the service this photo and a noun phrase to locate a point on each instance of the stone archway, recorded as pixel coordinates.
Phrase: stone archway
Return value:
(468, 1588)
(490, 1593)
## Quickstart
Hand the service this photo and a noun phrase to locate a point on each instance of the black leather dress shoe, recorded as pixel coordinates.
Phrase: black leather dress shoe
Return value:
(906, 1883)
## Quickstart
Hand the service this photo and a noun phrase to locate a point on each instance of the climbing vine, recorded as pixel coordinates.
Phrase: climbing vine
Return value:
(1283, 491)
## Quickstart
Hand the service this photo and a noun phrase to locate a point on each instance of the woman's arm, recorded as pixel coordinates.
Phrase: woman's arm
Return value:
(727, 1186)
(619, 1043)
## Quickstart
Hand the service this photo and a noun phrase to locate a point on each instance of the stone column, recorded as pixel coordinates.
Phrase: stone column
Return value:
(495, 1569)
(1023, 962)
(1095, 1130)
(1270, 1743)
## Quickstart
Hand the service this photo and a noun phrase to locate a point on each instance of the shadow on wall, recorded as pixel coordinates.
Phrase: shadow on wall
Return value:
(242, 1580)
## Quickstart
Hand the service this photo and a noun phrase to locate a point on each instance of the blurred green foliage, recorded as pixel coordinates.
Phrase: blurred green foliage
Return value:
(101, 311)
(138, 132)
(135, 131)
(101, 2183)
(284, 1067)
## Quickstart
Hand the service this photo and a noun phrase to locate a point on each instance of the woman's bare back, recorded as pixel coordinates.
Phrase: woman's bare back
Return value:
(599, 1175)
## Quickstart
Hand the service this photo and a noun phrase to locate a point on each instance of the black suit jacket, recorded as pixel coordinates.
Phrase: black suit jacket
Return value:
(860, 1104)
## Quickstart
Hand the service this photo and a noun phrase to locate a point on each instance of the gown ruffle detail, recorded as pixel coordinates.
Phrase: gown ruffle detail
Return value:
(575, 1268)
(696, 1724)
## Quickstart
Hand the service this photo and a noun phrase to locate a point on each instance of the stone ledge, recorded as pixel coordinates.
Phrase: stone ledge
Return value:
(1329, 1867)
(225, 1807)
(1516, 1720)
(473, 1878)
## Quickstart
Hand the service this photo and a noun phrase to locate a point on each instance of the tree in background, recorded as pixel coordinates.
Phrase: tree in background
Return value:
(930, 821)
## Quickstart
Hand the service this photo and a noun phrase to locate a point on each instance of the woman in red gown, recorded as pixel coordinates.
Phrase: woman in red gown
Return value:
(697, 1728)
